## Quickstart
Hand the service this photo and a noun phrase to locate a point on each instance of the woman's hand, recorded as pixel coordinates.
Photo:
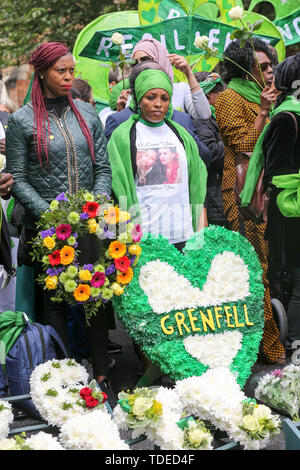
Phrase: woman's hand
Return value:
(180, 63)
(2, 146)
(267, 96)
(122, 100)
(6, 182)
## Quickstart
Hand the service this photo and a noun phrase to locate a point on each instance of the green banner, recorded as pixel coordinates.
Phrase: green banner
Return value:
(289, 26)
(178, 35)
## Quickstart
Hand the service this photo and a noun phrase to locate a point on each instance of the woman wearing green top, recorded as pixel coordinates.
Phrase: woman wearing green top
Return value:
(277, 150)
(174, 209)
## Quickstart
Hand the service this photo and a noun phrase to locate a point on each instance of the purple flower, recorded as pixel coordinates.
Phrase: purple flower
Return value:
(54, 272)
(84, 216)
(75, 235)
(62, 197)
(89, 267)
(110, 269)
(132, 260)
(277, 373)
(47, 233)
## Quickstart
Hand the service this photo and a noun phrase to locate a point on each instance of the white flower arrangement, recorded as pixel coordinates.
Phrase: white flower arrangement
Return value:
(236, 13)
(39, 441)
(280, 389)
(216, 397)
(55, 387)
(227, 281)
(93, 431)
(6, 417)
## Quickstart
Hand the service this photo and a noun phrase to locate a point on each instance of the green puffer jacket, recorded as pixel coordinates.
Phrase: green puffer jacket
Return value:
(71, 165)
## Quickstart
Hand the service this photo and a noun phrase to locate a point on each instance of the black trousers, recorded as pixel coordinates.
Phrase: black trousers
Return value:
(55, 314)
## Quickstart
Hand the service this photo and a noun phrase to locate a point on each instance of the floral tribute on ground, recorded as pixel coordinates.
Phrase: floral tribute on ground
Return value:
(280, 390)
(199, 316)
(57, 248)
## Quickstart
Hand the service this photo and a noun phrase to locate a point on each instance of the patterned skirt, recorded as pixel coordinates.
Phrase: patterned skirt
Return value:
(272, 347)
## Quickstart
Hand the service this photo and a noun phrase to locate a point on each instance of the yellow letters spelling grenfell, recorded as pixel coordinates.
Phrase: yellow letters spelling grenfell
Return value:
(208, 320)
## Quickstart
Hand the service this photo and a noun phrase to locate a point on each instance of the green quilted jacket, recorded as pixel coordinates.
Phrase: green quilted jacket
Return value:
(71, 165)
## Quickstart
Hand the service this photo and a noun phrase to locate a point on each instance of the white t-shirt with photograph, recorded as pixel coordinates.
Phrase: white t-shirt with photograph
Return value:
(162, 183)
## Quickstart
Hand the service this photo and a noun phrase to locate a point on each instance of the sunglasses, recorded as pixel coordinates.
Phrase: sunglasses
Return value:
(264, 66)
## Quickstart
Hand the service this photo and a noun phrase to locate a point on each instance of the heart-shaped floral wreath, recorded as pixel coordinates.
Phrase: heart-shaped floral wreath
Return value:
(197, 310)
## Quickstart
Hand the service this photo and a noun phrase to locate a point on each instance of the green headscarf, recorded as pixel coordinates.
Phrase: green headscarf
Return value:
(115, 93)
(11, 325)
(246, 88)
(209, 83)
(288, 200)
(149, 79)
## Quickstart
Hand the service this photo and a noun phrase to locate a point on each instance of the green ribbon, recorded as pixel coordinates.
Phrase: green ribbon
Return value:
(288, 200)
(125, 405)
(208, 85)
(11, 325)
(256, 162)
(247, 89)
(184, 423)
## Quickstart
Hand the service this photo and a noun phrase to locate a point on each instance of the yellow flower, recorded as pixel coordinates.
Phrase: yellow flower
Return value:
(124, 216)
(117, 289)
(116, 249)
(49, 243)
(85, 275)
(135, 250)
(51, 282)
(125, 278)
(82, 292)
(67, 254)
(92, 225)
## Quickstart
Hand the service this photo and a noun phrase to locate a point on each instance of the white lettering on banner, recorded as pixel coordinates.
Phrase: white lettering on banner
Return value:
(228, 40)
(296, 25)
(212, 38)
(147, 36)
(286, 32)
(173, 14)
(178, 47)
(126, 48)
(104, 45)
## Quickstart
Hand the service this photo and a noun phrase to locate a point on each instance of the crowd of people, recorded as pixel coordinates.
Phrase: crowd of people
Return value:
(165, 147)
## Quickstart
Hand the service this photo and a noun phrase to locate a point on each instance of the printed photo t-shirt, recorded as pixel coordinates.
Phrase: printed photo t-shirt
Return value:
(162, 182)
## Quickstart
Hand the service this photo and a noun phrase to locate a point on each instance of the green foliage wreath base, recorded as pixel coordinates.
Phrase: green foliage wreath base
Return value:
(168, 351)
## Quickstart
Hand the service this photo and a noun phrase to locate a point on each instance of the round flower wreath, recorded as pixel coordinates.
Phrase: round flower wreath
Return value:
(57, 249)
(6, 417)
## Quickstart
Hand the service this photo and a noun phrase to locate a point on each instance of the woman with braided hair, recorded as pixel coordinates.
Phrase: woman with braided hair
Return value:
(56, 144)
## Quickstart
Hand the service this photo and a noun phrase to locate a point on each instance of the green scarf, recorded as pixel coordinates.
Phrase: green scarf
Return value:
(213, 110)
(256, 164)
(246, 88)
(11, 326)
(151, 78)
(209, 84)
(123, 183)
(115, 93)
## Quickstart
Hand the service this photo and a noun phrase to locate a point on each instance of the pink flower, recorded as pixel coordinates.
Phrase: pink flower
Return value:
(136, 233)
(63, 231)
(98, 279)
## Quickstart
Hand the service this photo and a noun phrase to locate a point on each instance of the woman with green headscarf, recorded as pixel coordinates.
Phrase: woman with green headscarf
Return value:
(156, 168)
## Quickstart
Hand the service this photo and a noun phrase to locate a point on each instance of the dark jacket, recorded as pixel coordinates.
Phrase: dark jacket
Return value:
(70, 167)
(281, 150)
(207, 131)
(184, 119)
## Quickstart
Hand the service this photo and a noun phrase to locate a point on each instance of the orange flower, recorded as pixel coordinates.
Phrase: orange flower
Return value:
(67, 254)
(116, 249)
(111, 215)
(82, 292)
(125, 278)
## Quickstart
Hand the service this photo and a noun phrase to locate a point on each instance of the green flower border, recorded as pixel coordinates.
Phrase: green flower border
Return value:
(143, 325)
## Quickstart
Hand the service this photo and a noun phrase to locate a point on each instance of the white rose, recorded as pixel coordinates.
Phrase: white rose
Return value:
(262, 412)
(201, 42)
(7, 444)
(2, 161)
(117, 39)
(236, 13)
(251, 423)
(141, 405)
